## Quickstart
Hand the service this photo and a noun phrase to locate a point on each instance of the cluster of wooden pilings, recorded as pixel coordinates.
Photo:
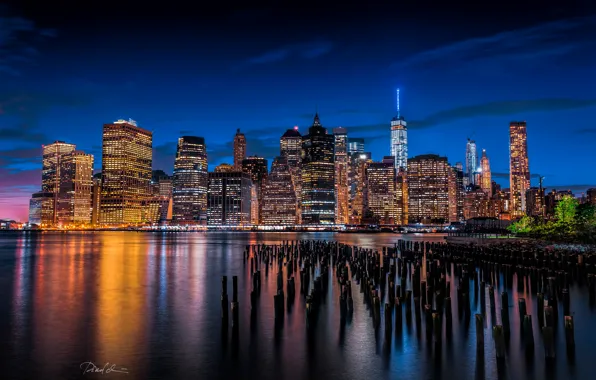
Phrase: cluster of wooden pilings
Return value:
(410, 280)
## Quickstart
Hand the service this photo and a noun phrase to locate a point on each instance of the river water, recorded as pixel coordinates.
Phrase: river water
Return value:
(149, 304)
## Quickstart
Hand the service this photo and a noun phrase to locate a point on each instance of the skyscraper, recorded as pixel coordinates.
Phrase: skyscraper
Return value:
(519, 167)
(357, 204)
(341, 175)
(127, 157)
(228, 200)
(190, 180)
(239, 150)
(355, 145)
(279, 198)
(257, 168)
(399, 139)
(382, 200)
(74, 193)
(485, 176)
(471, 162)
(318, 172)
(50, 175)
(41, 209)
(429, 189)
(290, 146)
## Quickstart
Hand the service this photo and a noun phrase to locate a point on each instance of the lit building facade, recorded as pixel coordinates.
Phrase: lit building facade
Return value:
(399, 142)
(239, 150)
(485, 175)
(357, 204)
(591, 196)
(355, 145)
(50, 176)
(535, 202)
(318, 172)
(257, 168)
(279, 197)
(459, 191)
(225, 168)
(126, 172)
(189, 181)
(74, 201)
(476, 204)
(428, 186)
(290, 146)
(96, 199)
(341, 175)
(471, 162)
(519, 167)
(41, 209)
(382, 200)
(228, 200)
(401, 196)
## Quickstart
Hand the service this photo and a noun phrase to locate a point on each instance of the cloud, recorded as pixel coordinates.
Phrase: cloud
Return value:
(574, 188)
(586, 131)
(309, 50)
(19, 156)
(538, 42)
(18, 38)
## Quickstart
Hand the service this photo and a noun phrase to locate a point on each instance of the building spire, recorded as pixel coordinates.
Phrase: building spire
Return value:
(317, 121)
(398, 115)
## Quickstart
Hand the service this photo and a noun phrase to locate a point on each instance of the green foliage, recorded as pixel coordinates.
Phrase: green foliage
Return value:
(572, 223)
(522, 226)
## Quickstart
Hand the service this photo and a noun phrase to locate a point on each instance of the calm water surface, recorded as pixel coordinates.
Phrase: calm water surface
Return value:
(150, 303)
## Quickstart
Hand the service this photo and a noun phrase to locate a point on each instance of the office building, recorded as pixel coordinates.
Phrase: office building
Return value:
(341, 175)
(471, 162)
(127, 155)
(257, 168)
(358, 201)
(239, 150)
(485, 175)
(382, 199)
(428, 186)
(74, 200)
(355, 145)
(50, 176)
(189, 182)
(228, 200)
(519, 167)
(41, 209)
(279, 197)
(318, 172)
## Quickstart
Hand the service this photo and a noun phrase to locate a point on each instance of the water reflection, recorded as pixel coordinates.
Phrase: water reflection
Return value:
(150, 302)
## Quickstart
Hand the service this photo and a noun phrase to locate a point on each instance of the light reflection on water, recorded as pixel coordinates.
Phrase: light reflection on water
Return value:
(150, 302)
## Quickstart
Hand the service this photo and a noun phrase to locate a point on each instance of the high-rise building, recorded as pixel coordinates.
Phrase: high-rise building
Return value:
(428, 186)
(476, 204)
(357, 204)
(459, 191)
(41, 209)
(382, 200)
(290, 145)
(535, 201)
(96, 199)
(279, 198)
(519, 167)
(399, 139)
(471, 162)
(74, 201)
(228, 200)
(189, 181)
(341, 175)
(127, 155)
(50, 175)
(355, 145)
(225, 168)
(318, 172)
(239, 150)
(485, 175)
(401, 196)
(257, 168)
(591, 196)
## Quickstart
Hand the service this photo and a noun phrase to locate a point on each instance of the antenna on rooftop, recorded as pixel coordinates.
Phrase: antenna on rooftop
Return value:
(398, 103)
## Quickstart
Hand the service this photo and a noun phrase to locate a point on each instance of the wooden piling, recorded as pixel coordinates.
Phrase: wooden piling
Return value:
(569, 334)
(499, 339)
(549, 342)
(224, 300)
(528, 334)
(479, 331)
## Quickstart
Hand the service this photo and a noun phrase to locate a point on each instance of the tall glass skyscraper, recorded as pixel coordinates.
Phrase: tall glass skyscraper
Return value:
(53, 155)
(318, 172)
(290, 147)
(471, 161)
(485, 175)
(355, 145)
(519, 167)
(399, 142)
(279, 198)
(239, 150)
(341, 175)
(190, 180)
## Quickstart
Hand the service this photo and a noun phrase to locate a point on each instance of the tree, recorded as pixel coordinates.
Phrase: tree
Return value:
(522, 226)
(565, 213)
(585, 215)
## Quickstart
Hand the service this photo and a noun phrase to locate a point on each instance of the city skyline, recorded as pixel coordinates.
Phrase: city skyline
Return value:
(266, 87)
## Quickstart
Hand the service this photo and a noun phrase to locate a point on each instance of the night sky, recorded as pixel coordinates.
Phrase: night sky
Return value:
(195, 68)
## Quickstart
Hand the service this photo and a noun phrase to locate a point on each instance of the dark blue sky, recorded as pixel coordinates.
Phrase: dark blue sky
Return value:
(66, 68)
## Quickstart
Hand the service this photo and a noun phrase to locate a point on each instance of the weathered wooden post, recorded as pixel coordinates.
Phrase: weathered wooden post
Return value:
(499, 339)
(224, 300)
(505, 314)
(549, 342)
(528, 334)
(235, 309)
(566, 302)
(569, 334)
(540, 309)
(479, 332)
(437, 326)
(387, 321)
